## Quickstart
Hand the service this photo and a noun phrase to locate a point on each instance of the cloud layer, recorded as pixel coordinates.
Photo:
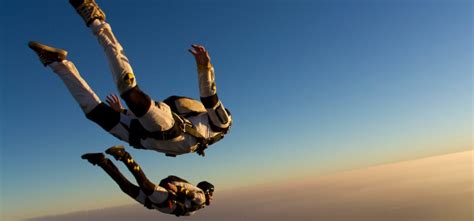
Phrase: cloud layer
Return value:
(432, 189)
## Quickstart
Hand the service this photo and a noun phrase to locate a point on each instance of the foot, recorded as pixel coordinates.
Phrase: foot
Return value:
(118, 152)
(94, 158)
(88, 10)
(47, 54)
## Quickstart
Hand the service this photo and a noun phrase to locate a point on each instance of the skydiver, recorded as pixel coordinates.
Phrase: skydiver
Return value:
(174, 126)
(172, 196)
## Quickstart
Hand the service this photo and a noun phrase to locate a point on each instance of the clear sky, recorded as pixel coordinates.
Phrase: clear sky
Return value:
(313, 87)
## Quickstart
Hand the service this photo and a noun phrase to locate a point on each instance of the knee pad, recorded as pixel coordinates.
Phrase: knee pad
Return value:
(104, 116)
(126, 82)
(120, 132)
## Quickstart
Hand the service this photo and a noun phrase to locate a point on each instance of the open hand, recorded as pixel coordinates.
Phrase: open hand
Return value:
(172, 187)
(114, 102)
(201, 55)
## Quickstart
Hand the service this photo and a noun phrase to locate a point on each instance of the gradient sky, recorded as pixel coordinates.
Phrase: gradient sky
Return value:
(313, 87)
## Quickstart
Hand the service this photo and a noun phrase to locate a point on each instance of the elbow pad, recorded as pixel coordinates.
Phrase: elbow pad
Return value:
(219, 117)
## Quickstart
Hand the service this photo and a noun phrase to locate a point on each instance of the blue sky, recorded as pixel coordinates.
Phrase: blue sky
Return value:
(313, 86)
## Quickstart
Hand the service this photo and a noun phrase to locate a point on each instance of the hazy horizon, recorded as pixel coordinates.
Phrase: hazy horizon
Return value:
(436, 188)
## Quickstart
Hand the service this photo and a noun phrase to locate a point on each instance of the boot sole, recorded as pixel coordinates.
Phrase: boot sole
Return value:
(36, 46)
(84, 156)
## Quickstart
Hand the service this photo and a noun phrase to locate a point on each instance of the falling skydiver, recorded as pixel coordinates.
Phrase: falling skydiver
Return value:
(174, 126)
(172, 196)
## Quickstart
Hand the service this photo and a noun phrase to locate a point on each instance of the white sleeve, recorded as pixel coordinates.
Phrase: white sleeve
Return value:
(207, 83)
(219, 116)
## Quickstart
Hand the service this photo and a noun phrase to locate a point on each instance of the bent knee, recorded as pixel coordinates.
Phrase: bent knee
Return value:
(138, 102)
(104, 116)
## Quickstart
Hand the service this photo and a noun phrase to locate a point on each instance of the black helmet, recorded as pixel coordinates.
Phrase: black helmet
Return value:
(207, 187)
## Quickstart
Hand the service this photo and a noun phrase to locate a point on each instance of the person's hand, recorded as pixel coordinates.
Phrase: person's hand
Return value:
(201, 55)
(172, 187)
(114, 102)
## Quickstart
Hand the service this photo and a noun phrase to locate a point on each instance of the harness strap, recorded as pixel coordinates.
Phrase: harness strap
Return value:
(138, 132)
(203, 143)
(181, 125)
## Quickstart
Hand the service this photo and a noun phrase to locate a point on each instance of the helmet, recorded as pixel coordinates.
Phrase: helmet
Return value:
(207, 187)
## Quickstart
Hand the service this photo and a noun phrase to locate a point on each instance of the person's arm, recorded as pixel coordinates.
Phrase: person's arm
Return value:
(219, 117)
(173, 188)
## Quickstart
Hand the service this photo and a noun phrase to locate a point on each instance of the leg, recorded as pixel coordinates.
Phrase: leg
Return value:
(122, 72)
(55, 58)
(90, 104)
(155, 194)
(94, 109)
(109, 167)
(120, 154)
(152, 117)
(77, 86)
(94, 17)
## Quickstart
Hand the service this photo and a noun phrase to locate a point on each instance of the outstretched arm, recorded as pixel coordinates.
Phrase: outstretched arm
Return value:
(219, 117)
